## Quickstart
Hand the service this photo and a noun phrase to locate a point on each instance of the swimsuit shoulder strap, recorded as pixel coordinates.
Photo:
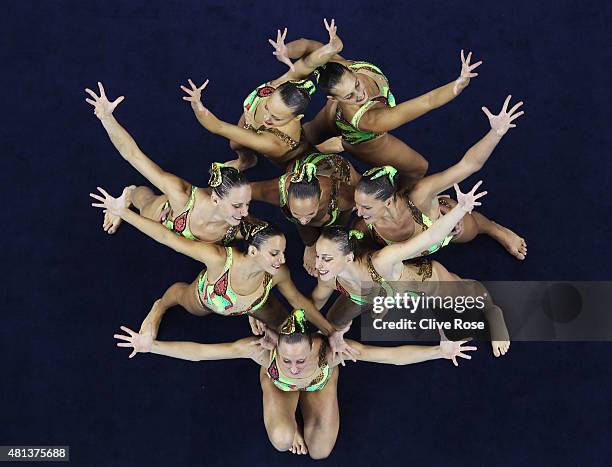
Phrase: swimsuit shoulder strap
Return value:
(191, 200)
(417, 214)
(362, 110)
(376, 277)
(228, 258)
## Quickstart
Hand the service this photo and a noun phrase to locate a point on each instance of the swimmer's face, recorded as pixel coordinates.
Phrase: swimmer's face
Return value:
(276, 112)
(235, 205)
(304, 209)
(293, 356)
(350, 89)
(330, 259)
(270, 255)
(370, 208)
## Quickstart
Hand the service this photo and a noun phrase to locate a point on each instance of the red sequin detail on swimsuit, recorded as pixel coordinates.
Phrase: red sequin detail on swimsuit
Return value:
(341, 289)
(265, 91)
(273, 370)
(180, 222)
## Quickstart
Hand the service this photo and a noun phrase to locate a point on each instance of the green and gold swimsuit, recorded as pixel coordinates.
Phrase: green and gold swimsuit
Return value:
(221, 298)
(350, 129)
(180, 224)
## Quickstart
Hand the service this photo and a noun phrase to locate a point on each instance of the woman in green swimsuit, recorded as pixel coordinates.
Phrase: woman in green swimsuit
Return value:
(298, 370)
(362, 110)
(311, 199)
(233, 283)
(211, 215)
(272, 113)
(343, 267)
(392, 216)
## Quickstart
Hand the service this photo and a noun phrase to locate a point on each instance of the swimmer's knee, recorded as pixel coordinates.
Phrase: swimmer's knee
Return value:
(317, 452)
(281, 437)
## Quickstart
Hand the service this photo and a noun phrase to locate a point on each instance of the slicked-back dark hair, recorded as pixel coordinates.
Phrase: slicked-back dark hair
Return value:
(230, 178)
(380, 188)
(330, 76)
(293, 97)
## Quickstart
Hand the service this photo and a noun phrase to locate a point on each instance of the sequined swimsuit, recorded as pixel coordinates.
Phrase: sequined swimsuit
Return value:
(423, 273)
(423, 222)
(340, 174)
(180, 224)
(350, 129)
(221, 298)
(317, 383)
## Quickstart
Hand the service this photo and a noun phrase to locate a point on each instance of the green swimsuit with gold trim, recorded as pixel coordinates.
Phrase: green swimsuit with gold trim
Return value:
(285, 384)
(220, 298)
(180, 224)
(350, 129)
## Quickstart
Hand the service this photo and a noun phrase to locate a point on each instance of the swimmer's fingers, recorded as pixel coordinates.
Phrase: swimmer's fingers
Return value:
(128, 330)
(92, 94)
(102, 93)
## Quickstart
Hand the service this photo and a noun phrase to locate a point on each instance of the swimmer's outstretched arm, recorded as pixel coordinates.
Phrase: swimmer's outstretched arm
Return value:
(264, 143)
(127, 147)
(475, 158)
(408, 354)
(311, 54)
(392, 255)
(250, 347)
(211, 254)
(382, 118)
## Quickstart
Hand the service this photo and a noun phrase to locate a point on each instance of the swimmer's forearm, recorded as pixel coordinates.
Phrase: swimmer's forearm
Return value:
(196, 352)
(409, 354)
(477, 155)
(401, 355)
(300, 47)
(121, 139)
(207, 119)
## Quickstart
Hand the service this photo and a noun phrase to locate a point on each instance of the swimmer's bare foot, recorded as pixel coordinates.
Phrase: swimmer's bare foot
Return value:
(153, 319)
(299, 445)
(112, 222)
(500, 347)
(516, 246)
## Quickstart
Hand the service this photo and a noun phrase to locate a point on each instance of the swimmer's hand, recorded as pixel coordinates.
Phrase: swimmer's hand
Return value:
(334, 41)
(466, 73)
(140, 343)
(450, 350)
(194, 95)
(103, 108)
(280, 49)
(116, 206)
(467, 201)
(340, 348)
(502, 122)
